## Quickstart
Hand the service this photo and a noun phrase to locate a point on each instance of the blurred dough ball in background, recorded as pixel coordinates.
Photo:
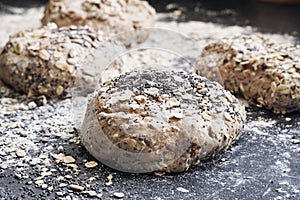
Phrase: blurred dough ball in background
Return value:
(45, 61)
(109, 16)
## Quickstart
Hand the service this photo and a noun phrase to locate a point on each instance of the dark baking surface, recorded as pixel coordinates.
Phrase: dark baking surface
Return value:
(267, 17)
(259, 166)
(264, 164)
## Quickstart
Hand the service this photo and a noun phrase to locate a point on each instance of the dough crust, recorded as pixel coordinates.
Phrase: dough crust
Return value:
(265, 73)
(160, 121)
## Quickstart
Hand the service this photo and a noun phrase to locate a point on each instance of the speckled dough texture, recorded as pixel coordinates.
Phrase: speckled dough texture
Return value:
(44, 61)
(109, 16)
(265, 73)
(160, 121)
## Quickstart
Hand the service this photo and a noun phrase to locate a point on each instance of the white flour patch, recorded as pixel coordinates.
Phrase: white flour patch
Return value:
(283, 165)
(13, 23)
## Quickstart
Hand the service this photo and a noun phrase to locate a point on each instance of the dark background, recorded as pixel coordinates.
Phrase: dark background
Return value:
(267, 17)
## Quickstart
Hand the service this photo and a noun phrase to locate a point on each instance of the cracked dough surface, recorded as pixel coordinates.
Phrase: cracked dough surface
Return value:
(160, 121)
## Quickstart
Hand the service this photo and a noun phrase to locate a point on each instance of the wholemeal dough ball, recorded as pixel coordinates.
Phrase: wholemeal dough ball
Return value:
(160, 121)
(44, 61)
(109, 16)
(265, 73)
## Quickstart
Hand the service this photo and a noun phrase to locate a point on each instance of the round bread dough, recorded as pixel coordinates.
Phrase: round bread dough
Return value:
(265, 73)
(44, 61)
(109, 16)
(150, 121)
